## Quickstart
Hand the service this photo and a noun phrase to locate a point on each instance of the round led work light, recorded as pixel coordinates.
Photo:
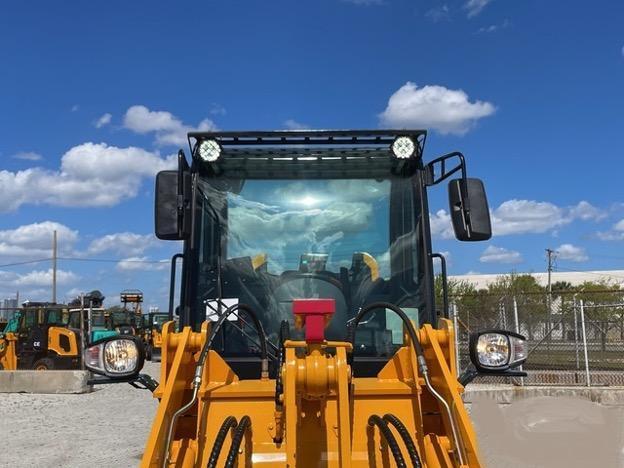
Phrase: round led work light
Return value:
(209, 150)
(403, 147)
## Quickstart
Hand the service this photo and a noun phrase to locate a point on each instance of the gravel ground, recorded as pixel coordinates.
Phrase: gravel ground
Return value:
(109, 427)
(105, 428)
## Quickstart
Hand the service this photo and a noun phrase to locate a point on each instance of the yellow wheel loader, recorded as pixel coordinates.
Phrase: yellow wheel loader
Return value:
(329, 352)
(151, 333)
(39, 338)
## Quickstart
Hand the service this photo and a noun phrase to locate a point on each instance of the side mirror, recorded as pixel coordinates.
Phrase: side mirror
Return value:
(497, 351)
(116, 357)
(172, 215)
(469, 209)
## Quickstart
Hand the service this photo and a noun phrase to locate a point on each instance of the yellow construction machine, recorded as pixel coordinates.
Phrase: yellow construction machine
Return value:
(309, 334)
(39, 337)
(151, 333)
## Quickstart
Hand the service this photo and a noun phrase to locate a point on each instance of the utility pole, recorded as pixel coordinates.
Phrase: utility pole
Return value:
(54, 268)
(550, 254)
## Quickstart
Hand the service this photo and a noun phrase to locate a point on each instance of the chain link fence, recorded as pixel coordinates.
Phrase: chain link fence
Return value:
(573, 338)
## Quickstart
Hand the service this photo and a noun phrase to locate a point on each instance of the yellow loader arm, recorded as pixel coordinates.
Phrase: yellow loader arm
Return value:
(323, 416)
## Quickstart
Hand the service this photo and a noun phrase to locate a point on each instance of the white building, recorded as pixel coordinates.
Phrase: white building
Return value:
(574, 277)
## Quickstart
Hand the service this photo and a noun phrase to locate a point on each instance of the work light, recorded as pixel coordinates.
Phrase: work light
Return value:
(498, 350)
(209, 150)
(115, 356)
(403, 147)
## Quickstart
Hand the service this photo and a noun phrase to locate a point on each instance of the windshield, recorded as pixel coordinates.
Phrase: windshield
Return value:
(122, 318)
(353, 240)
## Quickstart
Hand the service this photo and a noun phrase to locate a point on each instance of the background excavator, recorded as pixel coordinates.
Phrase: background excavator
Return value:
(329, 351)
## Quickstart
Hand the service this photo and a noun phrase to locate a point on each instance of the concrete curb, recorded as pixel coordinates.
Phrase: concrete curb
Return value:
(28, 381)
(507, 394)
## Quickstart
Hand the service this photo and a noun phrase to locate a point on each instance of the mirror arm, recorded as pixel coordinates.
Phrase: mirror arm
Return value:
(445, 301)
(468, 375)
(146, 382)
(174, 261)
(431, 180)
(471, 373)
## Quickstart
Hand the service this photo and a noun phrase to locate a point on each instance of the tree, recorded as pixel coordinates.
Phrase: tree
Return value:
(599, 297)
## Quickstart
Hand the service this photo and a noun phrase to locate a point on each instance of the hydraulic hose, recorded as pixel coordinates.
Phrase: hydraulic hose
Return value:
(237, 438)
(407, 438)
(387, 434)
(397, 310)
(197, 379)
(199, 369)
(279, 386)
(259, 329)
(422, 364)
(228, 423)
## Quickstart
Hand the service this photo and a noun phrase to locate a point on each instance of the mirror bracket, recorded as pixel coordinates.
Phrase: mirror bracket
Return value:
(430, 177)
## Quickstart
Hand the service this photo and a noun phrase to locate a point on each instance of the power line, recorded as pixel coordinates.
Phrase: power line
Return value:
(83, 259)
(25, 263)
(110, 260)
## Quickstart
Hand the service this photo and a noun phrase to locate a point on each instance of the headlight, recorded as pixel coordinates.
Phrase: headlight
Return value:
(403, 147)
(497, 350)
(115, 356)
(209, 150)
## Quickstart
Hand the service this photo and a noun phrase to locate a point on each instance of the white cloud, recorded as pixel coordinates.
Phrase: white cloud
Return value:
(530, 216)
(474, 7)
(587, 212)
(91, 174)
(141, 264)
(35, 240)
(217, 109)
(28, 156)
(439, 13)
(75, 108)
(36, 278)
(441, 226)
(105, 119)
(493, 27)
(526, 216)
(291, 124)
(446, 110)
(616, 233)
(572, 253)
(500, 255)
(169, 129)
(122, 243)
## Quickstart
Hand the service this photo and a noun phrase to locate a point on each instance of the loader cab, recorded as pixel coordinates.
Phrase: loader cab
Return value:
(125, 322)
(269, 217)
(97, 323)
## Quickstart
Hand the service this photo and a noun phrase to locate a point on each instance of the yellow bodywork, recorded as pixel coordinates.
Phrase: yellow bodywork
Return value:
(324, 421)
(8, 352)
(54, 341)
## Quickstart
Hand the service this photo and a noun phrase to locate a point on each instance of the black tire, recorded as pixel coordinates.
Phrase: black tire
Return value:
(44, 364)
(148, 352)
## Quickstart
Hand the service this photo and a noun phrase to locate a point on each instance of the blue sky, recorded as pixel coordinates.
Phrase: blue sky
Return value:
(95, 98)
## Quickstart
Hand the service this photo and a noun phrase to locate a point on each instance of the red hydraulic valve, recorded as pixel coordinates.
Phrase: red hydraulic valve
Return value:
(314, 314)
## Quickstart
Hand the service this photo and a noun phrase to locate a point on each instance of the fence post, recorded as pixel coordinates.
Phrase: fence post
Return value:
(517, 327)
(585, 344)
(576, 350)
(456, 327)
